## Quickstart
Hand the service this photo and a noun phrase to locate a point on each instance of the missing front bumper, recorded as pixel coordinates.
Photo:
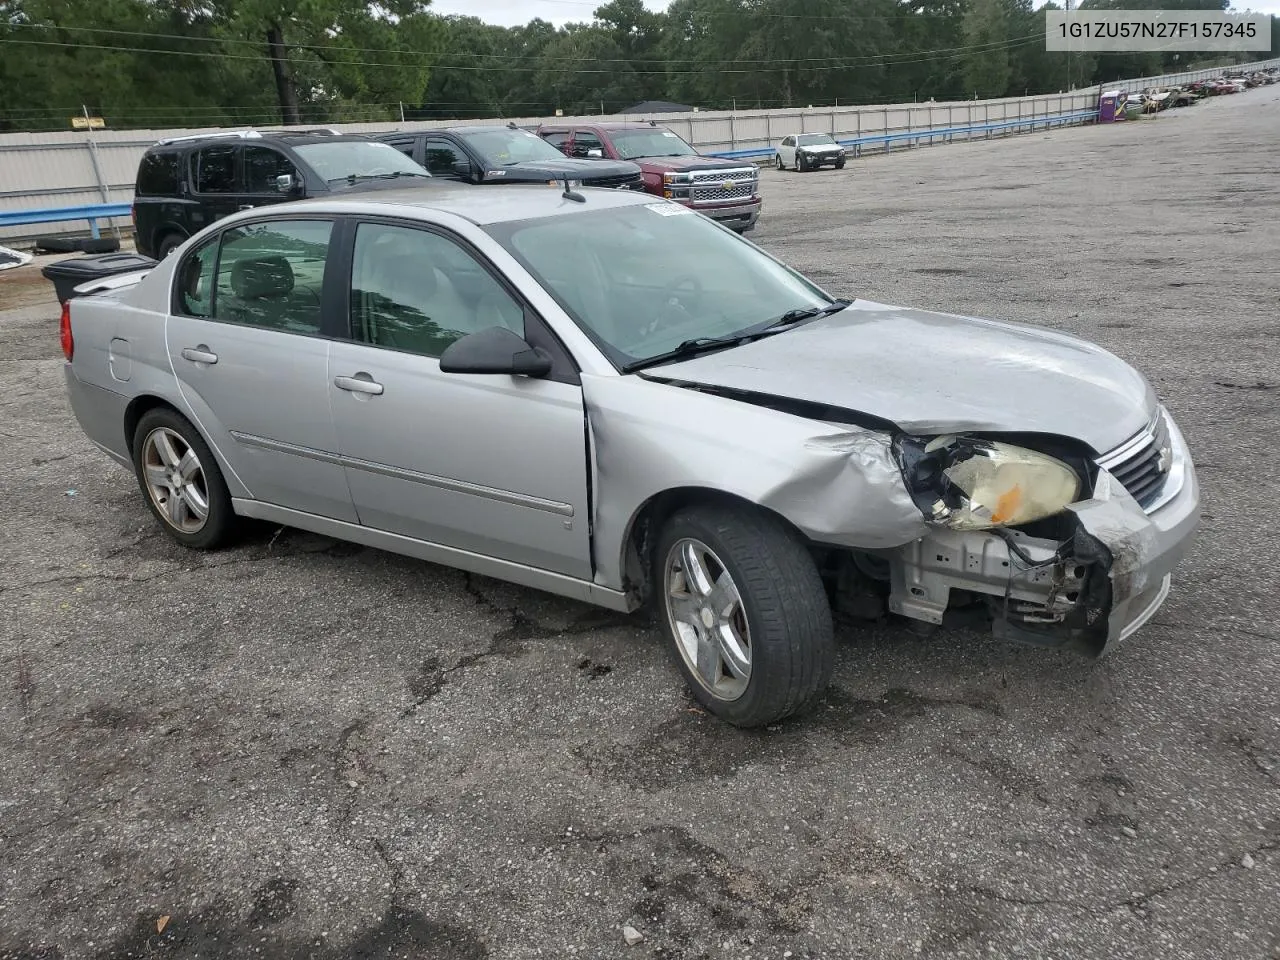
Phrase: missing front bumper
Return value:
(1090, 591)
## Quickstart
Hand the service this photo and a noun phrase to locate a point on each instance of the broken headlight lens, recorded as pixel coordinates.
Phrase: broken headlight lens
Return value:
(967, 483)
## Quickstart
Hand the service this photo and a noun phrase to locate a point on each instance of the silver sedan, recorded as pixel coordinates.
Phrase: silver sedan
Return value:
(615, 399)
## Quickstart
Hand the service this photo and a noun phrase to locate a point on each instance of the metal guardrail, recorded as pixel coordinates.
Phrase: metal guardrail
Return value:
(93, 212)
(928, 133)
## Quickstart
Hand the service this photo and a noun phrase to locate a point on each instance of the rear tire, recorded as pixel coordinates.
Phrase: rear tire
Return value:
(745, 613)
(168, 243)
(778, 162)
(181, 480)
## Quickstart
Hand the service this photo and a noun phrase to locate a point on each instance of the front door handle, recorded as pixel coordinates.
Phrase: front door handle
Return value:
(200, 354)
(246, 206)
(360, 383)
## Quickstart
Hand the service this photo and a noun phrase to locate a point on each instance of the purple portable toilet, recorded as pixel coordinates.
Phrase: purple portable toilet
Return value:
(1108, 104)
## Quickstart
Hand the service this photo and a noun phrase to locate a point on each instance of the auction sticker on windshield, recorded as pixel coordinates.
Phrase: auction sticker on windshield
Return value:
(667, 209)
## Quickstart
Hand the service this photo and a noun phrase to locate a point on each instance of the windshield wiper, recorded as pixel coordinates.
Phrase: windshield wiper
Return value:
(692, 348)
(793, 317)
(689, 348)
(356, 177)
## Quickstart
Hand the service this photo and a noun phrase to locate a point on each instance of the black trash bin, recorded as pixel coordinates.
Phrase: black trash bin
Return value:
(69, 274)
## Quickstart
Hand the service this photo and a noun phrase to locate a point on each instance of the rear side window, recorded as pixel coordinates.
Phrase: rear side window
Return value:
(557, 140)
(216, 170)
(195, 281)
(158, 175)
(271, 275)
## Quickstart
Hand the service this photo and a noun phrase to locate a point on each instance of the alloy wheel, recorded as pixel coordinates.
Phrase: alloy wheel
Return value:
(708, 619)
(175, 480)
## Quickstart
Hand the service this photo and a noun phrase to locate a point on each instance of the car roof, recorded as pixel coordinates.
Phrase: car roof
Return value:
(606, 125)
(480, 205)
(269, 136)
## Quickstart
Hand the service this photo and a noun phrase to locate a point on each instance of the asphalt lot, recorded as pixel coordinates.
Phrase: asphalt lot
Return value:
(298, 748)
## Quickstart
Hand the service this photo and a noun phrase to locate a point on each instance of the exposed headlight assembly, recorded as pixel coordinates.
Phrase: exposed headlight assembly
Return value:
(968, 483)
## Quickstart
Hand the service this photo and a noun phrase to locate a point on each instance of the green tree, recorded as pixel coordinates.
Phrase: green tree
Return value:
(985, 30)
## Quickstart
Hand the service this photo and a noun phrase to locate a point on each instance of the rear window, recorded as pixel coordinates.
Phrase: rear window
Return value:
(158, 175)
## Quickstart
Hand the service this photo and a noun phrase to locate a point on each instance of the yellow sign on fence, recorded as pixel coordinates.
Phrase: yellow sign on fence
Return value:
(87, 123)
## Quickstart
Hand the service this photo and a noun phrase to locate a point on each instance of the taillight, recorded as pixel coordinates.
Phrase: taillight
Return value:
(133, 215)
(64, 332)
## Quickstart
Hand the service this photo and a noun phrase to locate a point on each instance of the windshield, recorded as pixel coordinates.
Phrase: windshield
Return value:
(809, 139)
(357, 158)
(649, 142)
(641, 280)
(501, 148)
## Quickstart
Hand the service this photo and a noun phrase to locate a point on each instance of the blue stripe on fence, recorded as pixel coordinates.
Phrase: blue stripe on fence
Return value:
(93, 212)
(926, 134)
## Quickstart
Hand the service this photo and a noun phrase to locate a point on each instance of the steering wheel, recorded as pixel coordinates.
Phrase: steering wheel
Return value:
(685, 292)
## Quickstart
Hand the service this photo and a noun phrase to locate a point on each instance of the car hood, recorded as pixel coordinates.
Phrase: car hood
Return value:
(935, 373)
(683, 164)
(820, 147)
(568, 167)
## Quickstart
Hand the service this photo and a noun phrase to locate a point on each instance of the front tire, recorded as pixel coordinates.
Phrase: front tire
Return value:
(181, 481)
(801, 166)
(745, 613)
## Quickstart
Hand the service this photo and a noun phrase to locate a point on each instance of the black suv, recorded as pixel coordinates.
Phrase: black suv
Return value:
(491, 154)
(186, 183)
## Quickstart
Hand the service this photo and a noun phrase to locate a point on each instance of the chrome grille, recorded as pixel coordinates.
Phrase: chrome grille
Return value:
(709, 186)
(1141, 464)
(626, 181)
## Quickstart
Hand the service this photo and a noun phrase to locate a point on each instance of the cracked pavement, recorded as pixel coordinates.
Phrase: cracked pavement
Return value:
(299, 748)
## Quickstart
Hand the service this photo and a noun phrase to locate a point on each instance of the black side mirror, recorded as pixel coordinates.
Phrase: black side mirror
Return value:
(494, 350)
(462, 168)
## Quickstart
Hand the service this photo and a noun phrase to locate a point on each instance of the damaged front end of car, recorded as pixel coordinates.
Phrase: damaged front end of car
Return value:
(1042, 536)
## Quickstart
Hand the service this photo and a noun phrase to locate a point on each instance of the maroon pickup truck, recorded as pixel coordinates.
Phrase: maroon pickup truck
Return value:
(725, 190)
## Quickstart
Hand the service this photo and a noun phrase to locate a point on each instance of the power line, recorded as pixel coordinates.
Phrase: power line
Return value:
(869, 60)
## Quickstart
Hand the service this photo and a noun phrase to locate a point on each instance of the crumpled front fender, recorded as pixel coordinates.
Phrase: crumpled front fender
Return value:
(836, 483)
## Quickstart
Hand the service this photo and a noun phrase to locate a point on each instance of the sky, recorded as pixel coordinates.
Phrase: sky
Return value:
(512, 12)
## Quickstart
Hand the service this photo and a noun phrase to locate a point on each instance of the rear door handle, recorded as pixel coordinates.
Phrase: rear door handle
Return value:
(200, 354)
(360, 383)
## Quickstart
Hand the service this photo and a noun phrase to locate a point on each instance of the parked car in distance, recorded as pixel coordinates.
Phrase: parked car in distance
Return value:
(809, 151)
(495, 154)
(608, 397)
(186, 183)
(727, 191)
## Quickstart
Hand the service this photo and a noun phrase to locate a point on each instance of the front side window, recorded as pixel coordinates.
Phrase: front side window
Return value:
(649, 142)
(271, 275)
(195, 280)
(440, 157)
(584, 143)
(355, 160)
(644, 279)
(417, 291)
(216, 170)
(261, 167)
